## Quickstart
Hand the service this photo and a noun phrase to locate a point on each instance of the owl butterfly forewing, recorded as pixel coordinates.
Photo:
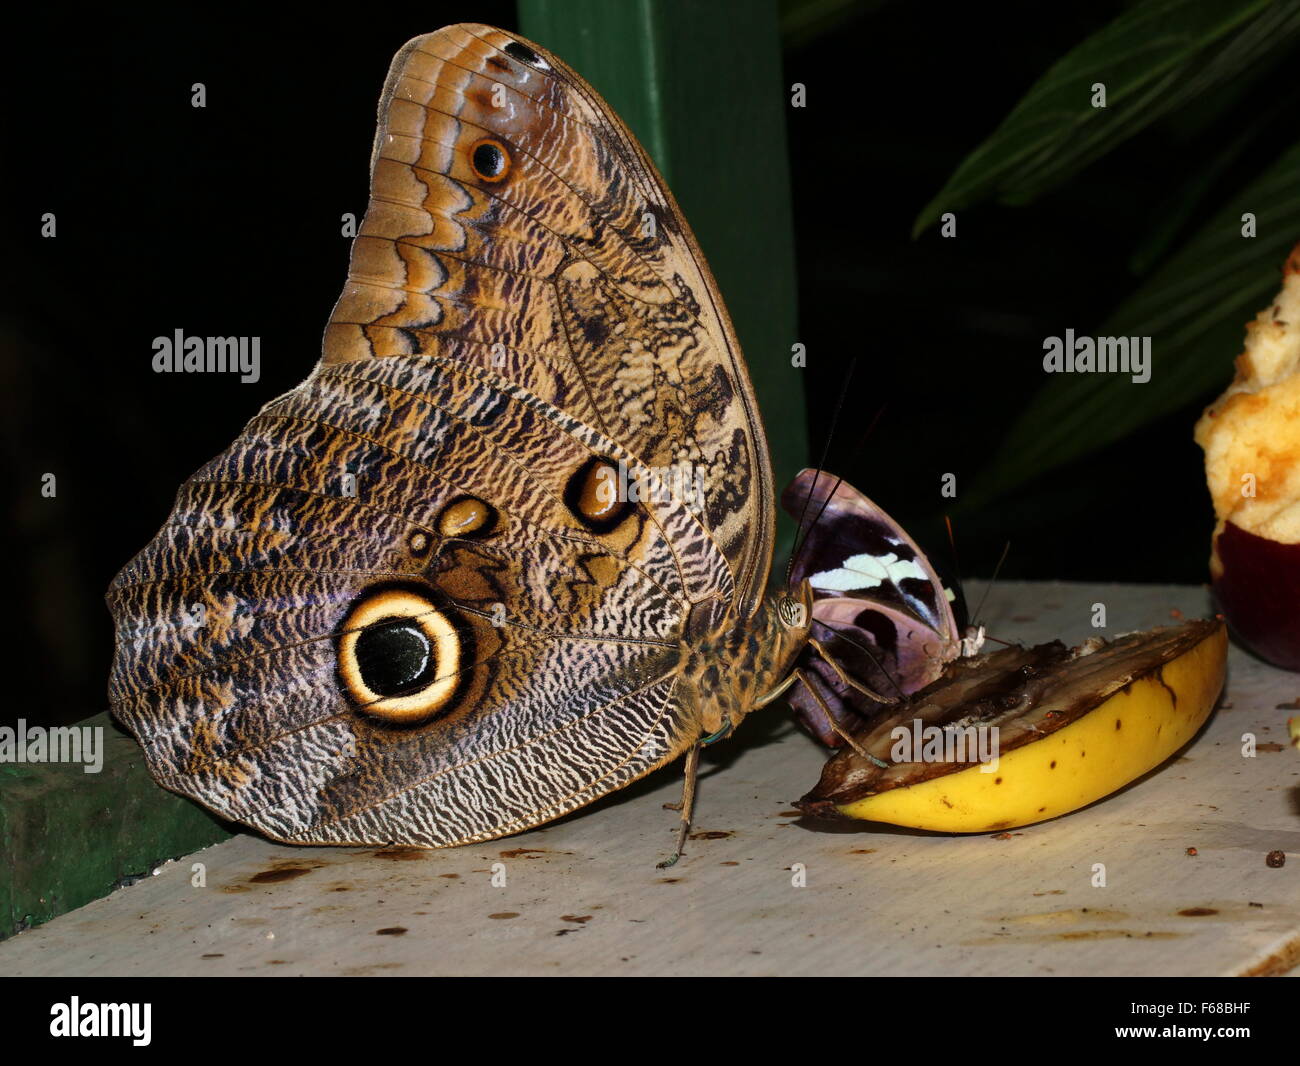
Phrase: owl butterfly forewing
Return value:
(879, 606)
(423, 619)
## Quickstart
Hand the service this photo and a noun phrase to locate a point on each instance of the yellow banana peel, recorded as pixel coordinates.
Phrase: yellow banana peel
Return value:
(1086, 723)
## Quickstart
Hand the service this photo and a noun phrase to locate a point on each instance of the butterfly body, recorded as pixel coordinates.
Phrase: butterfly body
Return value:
(731, 664)
(417, 600)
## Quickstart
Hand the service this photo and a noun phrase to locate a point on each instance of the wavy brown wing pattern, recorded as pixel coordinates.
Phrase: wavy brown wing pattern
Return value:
(515, 222)
(401, 607)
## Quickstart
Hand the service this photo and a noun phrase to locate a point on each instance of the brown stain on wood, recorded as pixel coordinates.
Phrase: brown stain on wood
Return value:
(1197, 912)
(400, 854)
(521, 853)
(504, 914)
(391, 930)
(1114, 934)
(712, 834)
(578, 919)
(278, 874)
(1071, 936)
(1068, 916)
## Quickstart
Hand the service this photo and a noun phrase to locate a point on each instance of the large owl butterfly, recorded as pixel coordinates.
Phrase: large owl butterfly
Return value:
(413, 603)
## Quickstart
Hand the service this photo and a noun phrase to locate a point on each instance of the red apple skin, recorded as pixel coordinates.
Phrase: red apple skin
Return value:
(1258, 590)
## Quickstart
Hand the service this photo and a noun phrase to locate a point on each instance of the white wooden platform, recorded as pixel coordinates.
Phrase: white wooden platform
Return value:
(584, 897)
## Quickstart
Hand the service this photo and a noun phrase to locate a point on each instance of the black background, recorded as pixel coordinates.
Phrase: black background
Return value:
(225, 221)
(1090, 1010)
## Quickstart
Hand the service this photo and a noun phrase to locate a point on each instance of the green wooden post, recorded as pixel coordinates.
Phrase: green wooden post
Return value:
(700, 85)
(68, 837)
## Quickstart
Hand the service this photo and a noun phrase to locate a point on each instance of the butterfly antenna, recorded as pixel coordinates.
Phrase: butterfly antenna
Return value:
(794, 556)
(992, 581)
(801, 535)
(956, 560)
(829, 496)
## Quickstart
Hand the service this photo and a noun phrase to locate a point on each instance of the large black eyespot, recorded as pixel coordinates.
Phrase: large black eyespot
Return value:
(400, 655)
(490, 160)
(394, 657)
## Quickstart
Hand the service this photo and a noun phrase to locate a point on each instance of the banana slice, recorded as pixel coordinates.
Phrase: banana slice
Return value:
(1026, 734)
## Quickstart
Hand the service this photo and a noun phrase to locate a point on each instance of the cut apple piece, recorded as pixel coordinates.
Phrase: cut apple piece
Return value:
(1251, 437)
(1067, 727)
(1257, 583)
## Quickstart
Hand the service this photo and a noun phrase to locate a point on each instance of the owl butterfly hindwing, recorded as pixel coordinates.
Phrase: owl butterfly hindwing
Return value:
(406, 605)
(879, 607)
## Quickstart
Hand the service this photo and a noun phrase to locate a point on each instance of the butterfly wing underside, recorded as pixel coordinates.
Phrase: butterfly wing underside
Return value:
(393, 610)
(878, 605)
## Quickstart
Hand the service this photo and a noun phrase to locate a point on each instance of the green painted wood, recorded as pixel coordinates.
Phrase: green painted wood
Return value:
(701, 87)
(68, 837)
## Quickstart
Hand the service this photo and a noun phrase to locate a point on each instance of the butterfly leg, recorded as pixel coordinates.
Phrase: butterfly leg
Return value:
(835, 725)
(839, 672)
(687, 805)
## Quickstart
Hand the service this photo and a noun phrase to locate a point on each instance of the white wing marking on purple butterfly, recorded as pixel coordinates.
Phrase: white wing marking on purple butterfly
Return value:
(866, 572)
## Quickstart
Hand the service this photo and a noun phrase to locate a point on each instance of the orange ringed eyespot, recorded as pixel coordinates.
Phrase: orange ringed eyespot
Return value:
(399, 656)
(489, 160)
(593, 495)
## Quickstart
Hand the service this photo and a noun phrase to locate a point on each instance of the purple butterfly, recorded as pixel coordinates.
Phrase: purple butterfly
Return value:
(883, 624)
